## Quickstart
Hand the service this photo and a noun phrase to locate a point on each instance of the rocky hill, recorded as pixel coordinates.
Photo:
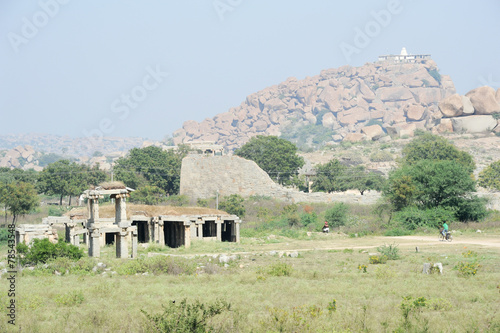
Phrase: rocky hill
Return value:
(347, 103)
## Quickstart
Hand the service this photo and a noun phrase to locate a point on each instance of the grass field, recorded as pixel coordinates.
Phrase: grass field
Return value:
(330, 287)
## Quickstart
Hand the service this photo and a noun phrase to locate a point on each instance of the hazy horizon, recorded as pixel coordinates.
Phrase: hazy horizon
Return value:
(130, 69)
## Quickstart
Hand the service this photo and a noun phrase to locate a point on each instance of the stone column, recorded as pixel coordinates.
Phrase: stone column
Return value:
(76, 240)
(121, 211)
(187, 234)
(134, 243)
(121, 244)
(161, 233)
(93, 209)
(218, 224)
(200, 230)
(94, 244)
(237, 230)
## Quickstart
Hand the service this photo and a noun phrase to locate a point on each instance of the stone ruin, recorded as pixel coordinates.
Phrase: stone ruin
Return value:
(173, 230)
(26, 233)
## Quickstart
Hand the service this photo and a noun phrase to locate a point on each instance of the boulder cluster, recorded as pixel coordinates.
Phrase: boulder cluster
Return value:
(473, 113)
(21, 157)
(355, 103)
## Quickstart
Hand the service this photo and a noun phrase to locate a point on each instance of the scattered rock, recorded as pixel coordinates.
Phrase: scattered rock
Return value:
(483, 100)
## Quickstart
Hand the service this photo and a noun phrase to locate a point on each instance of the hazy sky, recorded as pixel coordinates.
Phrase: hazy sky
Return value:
(142, 68)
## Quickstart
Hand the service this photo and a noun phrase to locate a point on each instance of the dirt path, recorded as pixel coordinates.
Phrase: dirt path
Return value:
(332, 243)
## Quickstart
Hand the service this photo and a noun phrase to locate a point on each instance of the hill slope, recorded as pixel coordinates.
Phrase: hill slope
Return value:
(333, 105)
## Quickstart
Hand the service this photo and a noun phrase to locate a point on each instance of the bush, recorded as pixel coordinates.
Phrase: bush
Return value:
(381, 156)
(337, 215)
(43, 250)
(233, 204)
(280, 269)
(473, 209)
(391, 251)
(308, 218)
(56, 211)
(4, 235)
(413, 218)
(378, 259)
(183, 317)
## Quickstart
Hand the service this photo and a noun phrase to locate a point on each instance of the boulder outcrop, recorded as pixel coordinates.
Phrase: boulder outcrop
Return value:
(344, 100)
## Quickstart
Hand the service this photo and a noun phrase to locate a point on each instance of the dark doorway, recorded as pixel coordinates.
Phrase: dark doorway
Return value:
(173, 233)
(110, 238)
(227, 228)
(209, 229)
(142, 231)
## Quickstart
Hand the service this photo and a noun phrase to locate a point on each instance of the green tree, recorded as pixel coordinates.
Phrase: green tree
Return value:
(337, 215)
(151, 166)
(21, 198)
(148, 195)
(277, 157)
(436, 148)
(431, 184)
(63, 178)
(490, 176)
(233, 204)
(362, 180)
(331, 177)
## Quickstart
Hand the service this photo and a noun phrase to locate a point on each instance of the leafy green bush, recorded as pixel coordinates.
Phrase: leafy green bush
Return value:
(280, 269)
(413, 218)
(308, 219)
(391, 251)
(56, 211)
(397, 232)
(233, 204)
(337, 215)
(43, 250)
(183, 317)
(4, 235)
(472, 209)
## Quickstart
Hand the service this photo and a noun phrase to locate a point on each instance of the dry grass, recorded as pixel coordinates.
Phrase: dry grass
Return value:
(364, 301)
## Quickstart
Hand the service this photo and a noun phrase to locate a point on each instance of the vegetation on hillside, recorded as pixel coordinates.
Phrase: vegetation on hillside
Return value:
(277, 157)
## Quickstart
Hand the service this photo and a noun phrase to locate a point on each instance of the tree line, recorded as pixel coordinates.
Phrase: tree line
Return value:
(433, 179)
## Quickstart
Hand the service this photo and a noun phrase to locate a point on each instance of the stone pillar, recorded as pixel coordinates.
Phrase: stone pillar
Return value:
(237, 230)
(218, 224)
(134, 243)
(76, 240)
(161, 233)
(93, 209)
(67, 229)
(121, 211)
(121, 244)
(94, 244)
(187, 235)
(200, 230)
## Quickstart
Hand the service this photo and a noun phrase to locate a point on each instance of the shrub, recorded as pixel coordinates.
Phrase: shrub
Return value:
(467, 269)
(4, 235)
(413, 218)
(381, 156)
(280, 269)
(56, 211)
(397, 232)
(378, 259)
(308, 218)
(43, 250)
(202, 202)
(337, 215)
(391, 251)
(473, 209)
(233, 204)
(183, 317)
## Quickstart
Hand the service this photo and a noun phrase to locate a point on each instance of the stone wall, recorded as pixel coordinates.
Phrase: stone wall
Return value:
(202, 177)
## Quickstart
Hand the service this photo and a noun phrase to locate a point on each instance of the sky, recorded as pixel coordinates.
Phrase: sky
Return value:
(125, 68)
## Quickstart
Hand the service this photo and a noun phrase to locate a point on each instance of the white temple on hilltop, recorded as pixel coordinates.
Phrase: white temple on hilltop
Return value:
(404, 57)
